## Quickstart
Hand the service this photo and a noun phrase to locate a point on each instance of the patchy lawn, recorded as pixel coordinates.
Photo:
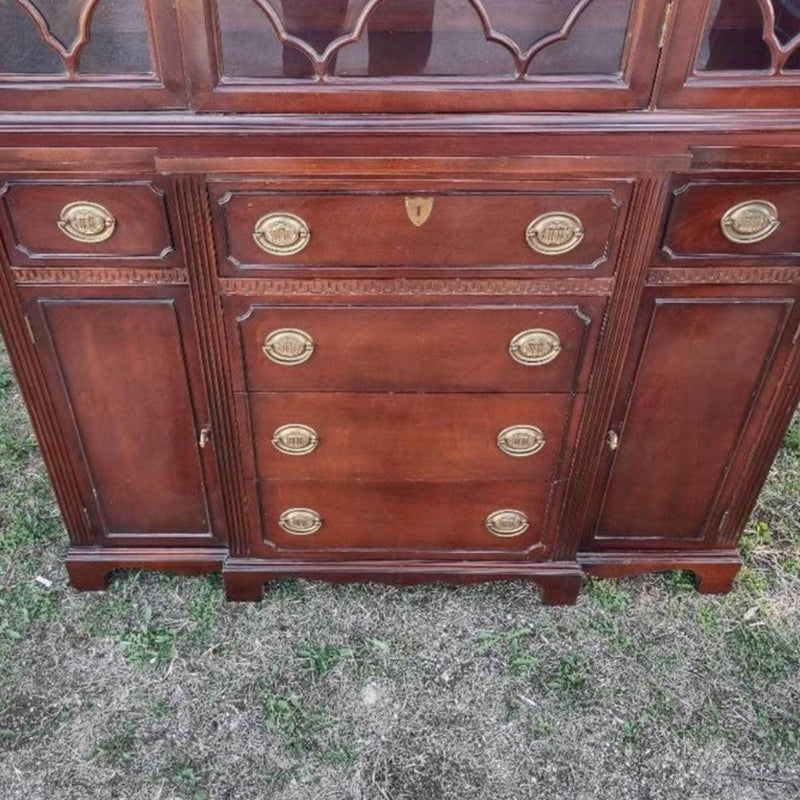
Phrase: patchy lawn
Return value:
(157, 689)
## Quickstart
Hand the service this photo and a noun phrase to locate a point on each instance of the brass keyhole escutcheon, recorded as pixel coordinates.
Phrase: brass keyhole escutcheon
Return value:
(554, 233)
(295, 439)
(288, 346)
(750, 222)
(521, 440)
(300, 521)
(281, 234)
(86, 222)
(507, 523)
(535, 347)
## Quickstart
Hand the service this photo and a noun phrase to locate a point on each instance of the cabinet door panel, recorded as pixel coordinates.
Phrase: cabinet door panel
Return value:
(421, 55)
(119, 370)
(704, 372)
(89, 54)
(732, 54)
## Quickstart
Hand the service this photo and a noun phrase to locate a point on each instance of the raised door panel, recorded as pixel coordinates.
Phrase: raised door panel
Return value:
(421, 55)
(696, 395)
(89, 54)
(123, 373)
(743, 54)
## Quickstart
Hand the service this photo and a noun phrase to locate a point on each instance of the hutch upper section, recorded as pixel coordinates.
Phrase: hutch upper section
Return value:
(400, 56)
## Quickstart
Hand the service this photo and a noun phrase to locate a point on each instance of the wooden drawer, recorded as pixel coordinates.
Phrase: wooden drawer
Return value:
(560, 226)
(406, 349)
(733, 219)
(439, 437)
(401, 516)
(79, 223)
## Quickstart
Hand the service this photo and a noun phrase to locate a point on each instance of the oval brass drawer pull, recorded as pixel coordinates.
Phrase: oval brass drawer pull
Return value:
(281, 234)
(554, 233)
(295, 439)
(288, 346)
(750, 222)
(521, 440)
(300, 521)
(507, 522)
(535, 347)
(86, 222)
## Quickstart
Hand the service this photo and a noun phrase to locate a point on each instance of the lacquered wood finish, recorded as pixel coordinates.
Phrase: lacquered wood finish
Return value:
(144, 357)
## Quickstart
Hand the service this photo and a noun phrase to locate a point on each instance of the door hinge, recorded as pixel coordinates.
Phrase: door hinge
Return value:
(662, 39)
(86, 518)
(205, 437)
(612, 440)
(28, 325)
(723, 520)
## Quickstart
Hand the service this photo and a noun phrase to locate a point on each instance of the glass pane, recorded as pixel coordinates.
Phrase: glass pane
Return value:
(120, 43)
(594, 45)
(733, 38)
(418, 38)
(22, 50)
(424, 37)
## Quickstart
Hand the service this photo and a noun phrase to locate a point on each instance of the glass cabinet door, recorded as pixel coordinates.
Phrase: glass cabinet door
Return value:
(745, 54)
(98, 54)
(425, 55)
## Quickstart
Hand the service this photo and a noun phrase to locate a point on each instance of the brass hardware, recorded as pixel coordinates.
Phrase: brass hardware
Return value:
(554, 233)
(419, 209)
(507, 523)
(205, 438)
(295, 439)
(300, 521)
(750, 222)
(662, 39)
(281, 234)
(520, 440)
(86, 222)
(612, 439)
(535, 347)
(288, 346)
(28, 325)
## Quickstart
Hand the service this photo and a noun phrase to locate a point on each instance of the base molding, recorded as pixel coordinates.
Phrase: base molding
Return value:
(559, 581)
(89, 567)
(714, 570)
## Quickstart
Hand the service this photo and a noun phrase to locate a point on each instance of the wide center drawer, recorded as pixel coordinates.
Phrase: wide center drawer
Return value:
(554, 226)
(540, 347)
(428, 437)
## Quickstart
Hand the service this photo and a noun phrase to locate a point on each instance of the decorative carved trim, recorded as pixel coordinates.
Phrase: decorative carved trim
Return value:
(99, 276)
(70, 56)
(320, 62)
(779, 53)
(194, 218)
(41, 408)
(666, 276)
(644, 225)
(411, 286)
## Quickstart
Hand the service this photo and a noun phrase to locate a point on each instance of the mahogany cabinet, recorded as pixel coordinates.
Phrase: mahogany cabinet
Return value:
(403, 290)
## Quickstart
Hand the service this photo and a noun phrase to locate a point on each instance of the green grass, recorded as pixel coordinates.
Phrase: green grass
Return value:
(157, 688)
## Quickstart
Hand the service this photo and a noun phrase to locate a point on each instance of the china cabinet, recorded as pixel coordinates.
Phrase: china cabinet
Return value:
(403, 290)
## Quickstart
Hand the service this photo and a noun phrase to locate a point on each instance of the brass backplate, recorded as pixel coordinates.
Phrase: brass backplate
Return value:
(281, 234)
(535, 347)
(86, 222)
(295, 439)
(419, 209)
(521, 440)
(750, 222)
(288, 346)
(300, 521)
(554, 233)
(507, 523)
